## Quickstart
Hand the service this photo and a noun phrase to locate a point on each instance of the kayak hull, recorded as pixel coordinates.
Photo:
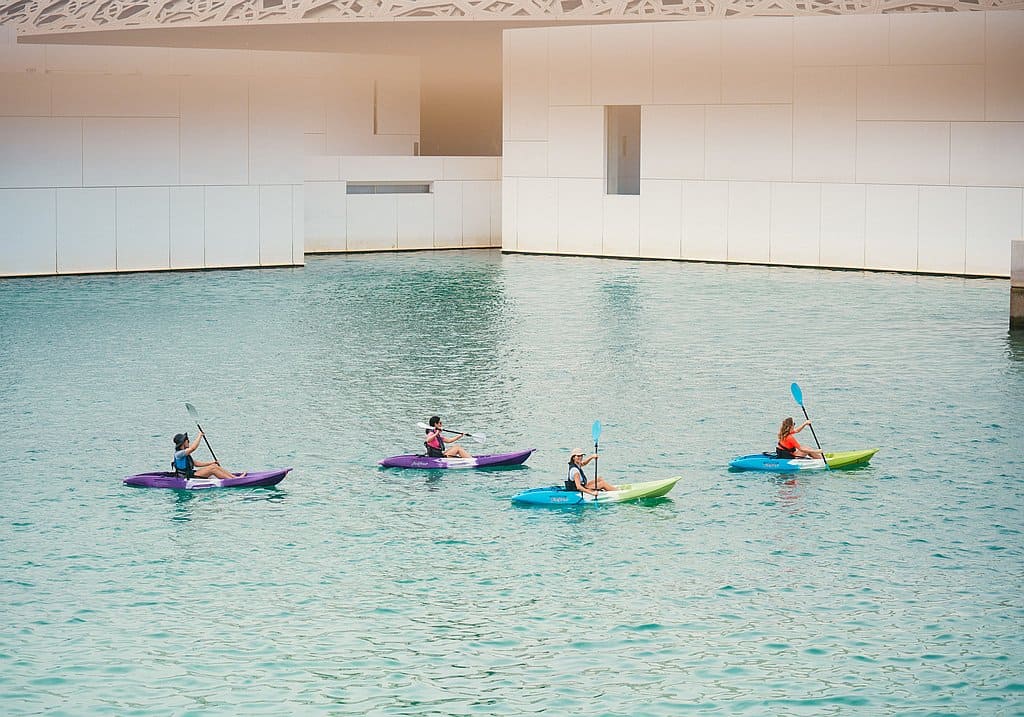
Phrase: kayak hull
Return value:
(558, 496)
(258, 479)
(491, 461)
(762, 462)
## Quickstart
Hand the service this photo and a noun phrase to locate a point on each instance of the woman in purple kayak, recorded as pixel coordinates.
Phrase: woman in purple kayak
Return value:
(435, 442)
(185, 467)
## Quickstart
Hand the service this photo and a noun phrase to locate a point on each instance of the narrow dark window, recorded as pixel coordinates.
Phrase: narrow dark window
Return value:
(622, 128)
(386, 188)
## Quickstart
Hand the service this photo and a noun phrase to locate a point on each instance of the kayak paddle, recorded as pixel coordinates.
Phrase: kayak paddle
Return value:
(478, 437)
(195, 417)
(798, 395)
(595, 432)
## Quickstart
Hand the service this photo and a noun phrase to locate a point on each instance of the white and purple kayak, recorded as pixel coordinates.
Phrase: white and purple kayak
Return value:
(170, 480)
(496, 460)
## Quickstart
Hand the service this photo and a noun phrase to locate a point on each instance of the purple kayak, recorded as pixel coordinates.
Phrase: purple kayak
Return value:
(492, 461)
(169, 480)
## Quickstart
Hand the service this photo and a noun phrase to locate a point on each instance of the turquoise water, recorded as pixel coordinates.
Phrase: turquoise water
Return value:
(891, 589)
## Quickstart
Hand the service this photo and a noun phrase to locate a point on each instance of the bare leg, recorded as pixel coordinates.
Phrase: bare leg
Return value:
(807, 452)
(601, 484)
(216, 471)
(457, 452)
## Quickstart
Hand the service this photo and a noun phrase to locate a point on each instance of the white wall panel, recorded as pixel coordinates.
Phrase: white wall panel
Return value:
(621, 69)
(325, 216)
(825, 124)
(687, 63)
(527, 85)
(86, 231)
(705, 220)
(846, 40)
(757, 61)
(509, 209)
(415, 220)
(569, 66)
(993, 221)
(115, 60)
(214, 135)
(372, 222)
(1004, 76)
(796, 224)
(24, 94)
(143, 228)
(903, 152)
(349, 116)
(749, 222)
(28, 231)
(276, 140)
(22, 58)
(921, 92)
(275, 225)
(466, 168)
(496, 214)
(322, 168)
(398, 97)
(232, 226)
(536, 214)
(752, 142)
(448, 213)
(392, 169)
(580, 216)
(188, 227)
(890, 237)
(476, 213)
(621, 225)
(937, 38)
(198, 61)
(987, 154)
(671, 142)
(132, 151)
(298, 225)
(576, 142)
(82, 95)
(525, 159)
(942, 232)
(40, 152)
(843, 209)
(661, 218)
(268, 63)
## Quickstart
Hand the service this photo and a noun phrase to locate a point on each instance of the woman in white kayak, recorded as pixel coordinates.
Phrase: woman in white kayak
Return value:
(578, 478)
(435, 442)
(185, 467)
(788, 446)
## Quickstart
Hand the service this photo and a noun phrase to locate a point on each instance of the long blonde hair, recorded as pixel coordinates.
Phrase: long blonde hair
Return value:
(786, 428)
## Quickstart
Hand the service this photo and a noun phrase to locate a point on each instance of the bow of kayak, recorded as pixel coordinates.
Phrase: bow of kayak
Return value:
(495, 460)
(559, 496)
(768, 462)
(170, 480)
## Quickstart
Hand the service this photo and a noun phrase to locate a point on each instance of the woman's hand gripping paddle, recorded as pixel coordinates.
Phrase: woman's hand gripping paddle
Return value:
(798, 396)
(478, 437)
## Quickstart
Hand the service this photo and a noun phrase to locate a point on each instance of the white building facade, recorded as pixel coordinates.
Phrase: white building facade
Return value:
(888, 142)
(154, 136)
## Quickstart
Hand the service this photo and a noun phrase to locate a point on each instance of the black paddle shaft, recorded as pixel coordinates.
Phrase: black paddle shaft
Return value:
(813, 434)
(207, 441)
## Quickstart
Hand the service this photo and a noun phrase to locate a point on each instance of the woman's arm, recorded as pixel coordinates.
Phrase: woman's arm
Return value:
(592, 457)
(576, 474)
(803, 425)
(452, 440)
(194, 445)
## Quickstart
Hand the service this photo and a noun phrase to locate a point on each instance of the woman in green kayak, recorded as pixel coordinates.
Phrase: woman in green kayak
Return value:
(578, 478)
(789, 447)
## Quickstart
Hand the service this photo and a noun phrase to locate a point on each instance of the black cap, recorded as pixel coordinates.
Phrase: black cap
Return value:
(179, 439)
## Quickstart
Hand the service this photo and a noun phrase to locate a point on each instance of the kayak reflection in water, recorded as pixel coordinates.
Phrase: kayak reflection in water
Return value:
(435, 442)
(185, 467)
(788, 446)
(578, 479)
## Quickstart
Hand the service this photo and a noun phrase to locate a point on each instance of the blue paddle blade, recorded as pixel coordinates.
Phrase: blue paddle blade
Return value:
(595, 431)
(798, 395)
(192, 411)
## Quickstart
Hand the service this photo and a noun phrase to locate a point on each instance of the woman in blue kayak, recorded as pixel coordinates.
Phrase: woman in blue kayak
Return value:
(578, 478)
(788, 446)
(185, 467)
(435, 442)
